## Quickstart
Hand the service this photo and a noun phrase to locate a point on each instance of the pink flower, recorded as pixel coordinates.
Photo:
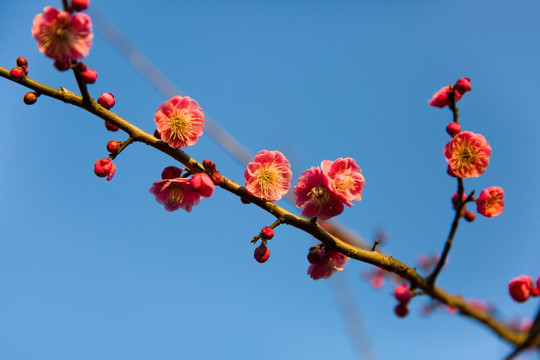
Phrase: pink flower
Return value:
(520, 288)
(175, 194)
(61, 35)
(180, 121)
(268, 176)
(313, 195)
(491, 201)
(442, 97)
(344, 179)
(329, 262)
(467, 154)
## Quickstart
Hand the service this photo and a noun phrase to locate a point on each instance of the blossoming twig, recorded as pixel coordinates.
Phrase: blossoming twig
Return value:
(313, 228)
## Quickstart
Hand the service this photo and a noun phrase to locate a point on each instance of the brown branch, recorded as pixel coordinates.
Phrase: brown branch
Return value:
(311, 227)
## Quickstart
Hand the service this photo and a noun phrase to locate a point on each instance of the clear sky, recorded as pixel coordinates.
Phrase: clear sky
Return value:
(96, 270)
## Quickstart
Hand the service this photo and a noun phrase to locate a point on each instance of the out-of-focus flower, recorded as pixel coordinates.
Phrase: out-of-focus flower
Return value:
(490, 202)
(268, 176)
(61, 35)
(344, 179)
(468, 154)
(520, 288)
(312, 194)
(180, 121)
(329, 262)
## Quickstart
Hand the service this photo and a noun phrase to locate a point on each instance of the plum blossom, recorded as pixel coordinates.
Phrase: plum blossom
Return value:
(491, 201)
(180, 121)
(467, 154)
(329, 262)
(344, 179)
(182, 193)
(268, 176)
(312, 194)
(62, 36)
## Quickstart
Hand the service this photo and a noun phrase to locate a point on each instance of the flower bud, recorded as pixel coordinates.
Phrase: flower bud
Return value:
(261, 253)
(402, 294)
(106, 100)
(455, 199)
(61, 65)
(110, 127)
(89, 76)
(216, 177)
(157, 135)
(17, 73)
(245, 201)
(22, 62)
(267, 233)
(463, 85)
(202, 183)
(79, 5)
(209, 165)
(520, 288)
(453, 128)
(401, 310)
(171, 172)
(79, 67)
(113, 146)
(104, 168)
(29, 98)
(469, 216)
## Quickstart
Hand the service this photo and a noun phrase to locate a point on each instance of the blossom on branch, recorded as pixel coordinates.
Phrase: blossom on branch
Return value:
(61, 35)
(344, 179)
(180, 121)
(182, 193)
(268, 176)
(312, 194)
(467, 154)
(491, 201)
(328, 262)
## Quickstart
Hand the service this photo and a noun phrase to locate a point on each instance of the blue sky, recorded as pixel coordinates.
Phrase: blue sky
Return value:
(90, 269)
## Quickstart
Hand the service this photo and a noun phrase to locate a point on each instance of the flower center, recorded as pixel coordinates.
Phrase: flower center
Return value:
(61, 33)
(319, 195)
(266, 178)
(175, 195)
(178, 125)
